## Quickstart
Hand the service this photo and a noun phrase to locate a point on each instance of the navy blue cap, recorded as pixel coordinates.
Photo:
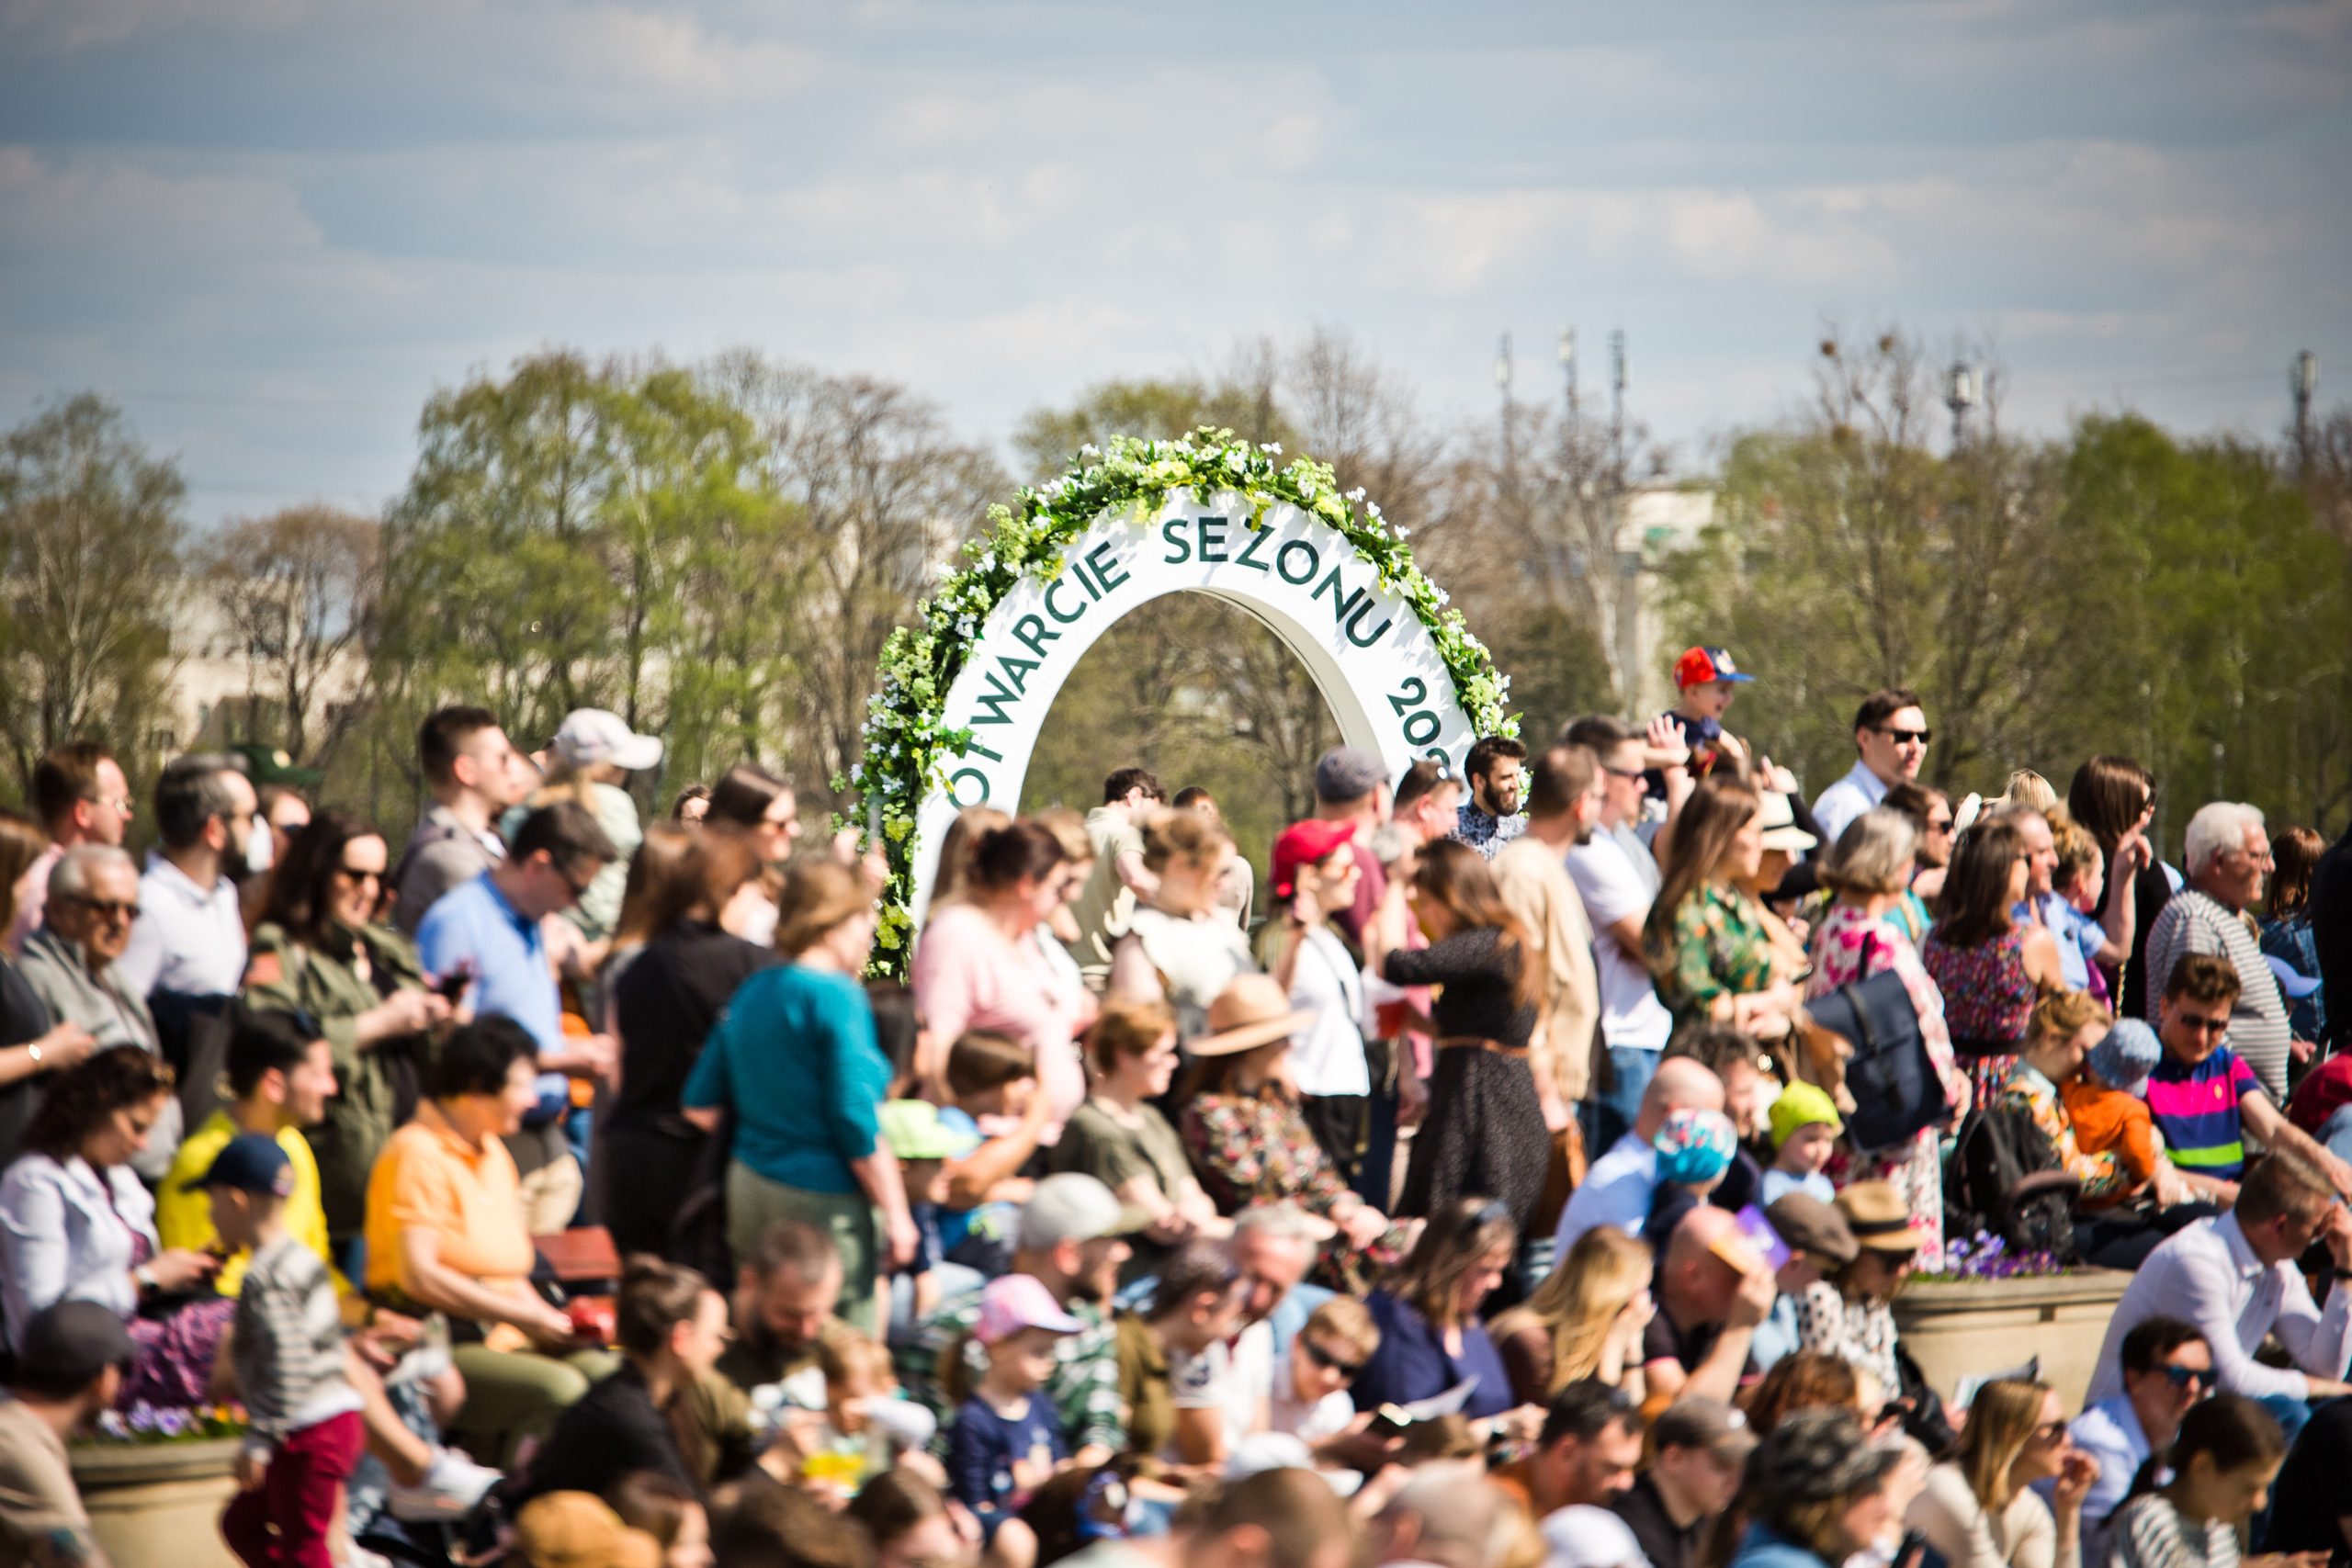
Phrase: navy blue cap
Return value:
(252, 1163)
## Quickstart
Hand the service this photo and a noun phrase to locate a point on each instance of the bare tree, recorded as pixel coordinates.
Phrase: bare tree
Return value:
(299, 592)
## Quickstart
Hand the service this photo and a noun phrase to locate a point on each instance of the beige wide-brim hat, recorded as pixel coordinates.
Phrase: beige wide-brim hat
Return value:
(1251, 1012)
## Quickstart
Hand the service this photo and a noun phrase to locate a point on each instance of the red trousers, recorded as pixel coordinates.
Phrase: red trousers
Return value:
(300, 1495)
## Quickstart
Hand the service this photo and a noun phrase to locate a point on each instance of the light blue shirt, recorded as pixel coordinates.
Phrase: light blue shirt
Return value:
(1616, 1192)
(1778, 1184)
(472, 924)
(1845, 800)
(2110, 1432)
(2079, 936)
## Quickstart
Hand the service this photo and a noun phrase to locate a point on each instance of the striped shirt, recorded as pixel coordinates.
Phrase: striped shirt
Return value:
(2195, 1108)
(288, 1343)
(2194, 923)
(2148, 1533)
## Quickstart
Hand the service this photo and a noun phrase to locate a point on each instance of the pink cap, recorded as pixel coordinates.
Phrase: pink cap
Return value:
(1014, 1302)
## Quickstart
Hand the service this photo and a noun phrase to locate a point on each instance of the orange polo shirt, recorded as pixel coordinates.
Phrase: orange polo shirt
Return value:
(470, 1198)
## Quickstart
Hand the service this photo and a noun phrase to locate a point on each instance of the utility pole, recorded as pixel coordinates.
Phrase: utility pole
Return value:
(1617, 405)
(2303, 382)
(1568, 374)
(1509, 476)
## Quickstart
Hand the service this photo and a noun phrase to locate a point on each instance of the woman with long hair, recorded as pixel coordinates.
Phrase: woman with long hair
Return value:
(323, 948)
(794, 1057)
(1989, 966)
(33, 1048)
(1584, 1320)
(1868, 872)
(76, 1223)
(1179, 945)
(1980, 1508)
(1708, 946)
(1484, 1131)
(686, 908)
(2115, 797)
(980, 965)
(749, 797)
(2287, 934)
(951, 884)
(671, 1327)
(1430, 1338)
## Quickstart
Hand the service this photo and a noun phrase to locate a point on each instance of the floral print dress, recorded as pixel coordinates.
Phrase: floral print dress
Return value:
(1720, 947)
(1849, 946)
(1988, 998)
(1249, 1149)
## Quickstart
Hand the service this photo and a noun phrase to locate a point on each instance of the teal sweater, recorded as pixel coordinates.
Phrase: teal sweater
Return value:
(794, 1057)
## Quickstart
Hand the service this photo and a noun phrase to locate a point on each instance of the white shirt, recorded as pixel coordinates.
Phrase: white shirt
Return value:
(188, 941)
(1612, 888)
(2207, 1276)
(1327, 1056)
(1847, 799)
(1616, 1192)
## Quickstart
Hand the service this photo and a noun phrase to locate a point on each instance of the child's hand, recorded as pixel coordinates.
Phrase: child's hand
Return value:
(1028, 1474)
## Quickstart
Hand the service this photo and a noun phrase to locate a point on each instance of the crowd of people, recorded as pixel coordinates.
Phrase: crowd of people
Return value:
(1530, 1178)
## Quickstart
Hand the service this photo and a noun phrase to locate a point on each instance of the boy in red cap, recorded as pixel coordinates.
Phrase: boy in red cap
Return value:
(1707, 680)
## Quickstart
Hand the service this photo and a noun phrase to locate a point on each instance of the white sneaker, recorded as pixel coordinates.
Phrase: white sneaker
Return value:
(453, 1484)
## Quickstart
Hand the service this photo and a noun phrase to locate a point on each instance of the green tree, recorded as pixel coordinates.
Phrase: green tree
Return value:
(299, 593)
(90, 539)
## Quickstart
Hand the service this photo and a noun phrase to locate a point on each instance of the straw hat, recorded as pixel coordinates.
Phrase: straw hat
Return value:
(1878, 1218)
(1251, 1011)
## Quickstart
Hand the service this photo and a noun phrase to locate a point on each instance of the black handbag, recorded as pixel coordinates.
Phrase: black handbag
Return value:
(1897, 1094)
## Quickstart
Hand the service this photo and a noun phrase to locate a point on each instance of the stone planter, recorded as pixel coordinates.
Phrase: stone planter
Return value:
(1958, 1328)
(160, 1502)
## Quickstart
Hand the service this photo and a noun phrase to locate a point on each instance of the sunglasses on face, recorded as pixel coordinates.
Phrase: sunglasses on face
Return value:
(2049, 1432)
(2186, 1377)
(351, 875)
(1623, 772)
(1939, 825)
(106, 909)
(1324, 1359)
(1907, 736)
(2203, 1025)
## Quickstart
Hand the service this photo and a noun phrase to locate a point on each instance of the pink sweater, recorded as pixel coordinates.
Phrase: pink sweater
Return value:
(968, 975)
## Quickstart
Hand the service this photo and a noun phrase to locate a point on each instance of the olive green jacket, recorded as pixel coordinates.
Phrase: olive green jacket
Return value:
(328, 986)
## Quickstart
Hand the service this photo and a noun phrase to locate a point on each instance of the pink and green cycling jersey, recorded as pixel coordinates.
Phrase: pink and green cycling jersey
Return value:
(2195, 1108)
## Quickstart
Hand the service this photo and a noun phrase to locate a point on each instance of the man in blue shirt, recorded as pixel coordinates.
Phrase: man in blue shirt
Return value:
(488, 929)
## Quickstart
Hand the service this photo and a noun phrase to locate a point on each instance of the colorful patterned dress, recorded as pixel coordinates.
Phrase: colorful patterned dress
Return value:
(1848, 947)
(1720, 947)
(1249, 1149)
(1988, 998)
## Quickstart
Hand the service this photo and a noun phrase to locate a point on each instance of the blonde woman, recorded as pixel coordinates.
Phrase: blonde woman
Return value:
(1979, 1509)
(1584, 1320)
(1868, 872)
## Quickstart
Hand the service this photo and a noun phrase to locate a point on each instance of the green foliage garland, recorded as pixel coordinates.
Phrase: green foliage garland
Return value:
(906, 744)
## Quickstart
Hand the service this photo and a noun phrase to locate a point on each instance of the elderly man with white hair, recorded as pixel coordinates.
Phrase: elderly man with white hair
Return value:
(70, 962)
(2227, 857)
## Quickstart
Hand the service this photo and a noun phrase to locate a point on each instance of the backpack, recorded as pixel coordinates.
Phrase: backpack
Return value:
(1897, 1094)
(2004, 1179)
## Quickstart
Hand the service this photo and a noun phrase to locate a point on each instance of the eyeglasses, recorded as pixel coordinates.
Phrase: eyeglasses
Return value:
(1622, 773)
(579, 885)
(121, 802)
(1322, 1358)
(2049, 1432)
(104, 908)
(1940, 824)
(356, 876)
(2186, 1377)
(1906, 736)
(2200, 1024)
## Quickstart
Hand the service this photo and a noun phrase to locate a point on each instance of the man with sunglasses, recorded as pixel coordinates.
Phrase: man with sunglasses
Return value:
(491, 929)
(69, 963)
(2204, 1099)
(2167, 1367)
(1891, 735)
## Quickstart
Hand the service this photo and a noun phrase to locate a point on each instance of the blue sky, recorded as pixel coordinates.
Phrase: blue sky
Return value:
(271, 227)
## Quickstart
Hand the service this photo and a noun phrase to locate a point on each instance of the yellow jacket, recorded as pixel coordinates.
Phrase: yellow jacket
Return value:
(183, 1217)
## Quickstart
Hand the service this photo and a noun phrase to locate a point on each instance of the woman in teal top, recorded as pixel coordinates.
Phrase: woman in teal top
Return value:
(795, 1059)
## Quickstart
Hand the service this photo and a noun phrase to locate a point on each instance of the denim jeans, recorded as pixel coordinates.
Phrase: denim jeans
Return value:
(1609, 1115)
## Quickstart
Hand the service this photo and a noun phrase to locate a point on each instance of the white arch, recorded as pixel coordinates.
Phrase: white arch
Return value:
(1370, 655)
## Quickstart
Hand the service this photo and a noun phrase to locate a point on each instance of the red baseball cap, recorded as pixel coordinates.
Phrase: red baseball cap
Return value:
(1304, 843)
(1698, 665)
